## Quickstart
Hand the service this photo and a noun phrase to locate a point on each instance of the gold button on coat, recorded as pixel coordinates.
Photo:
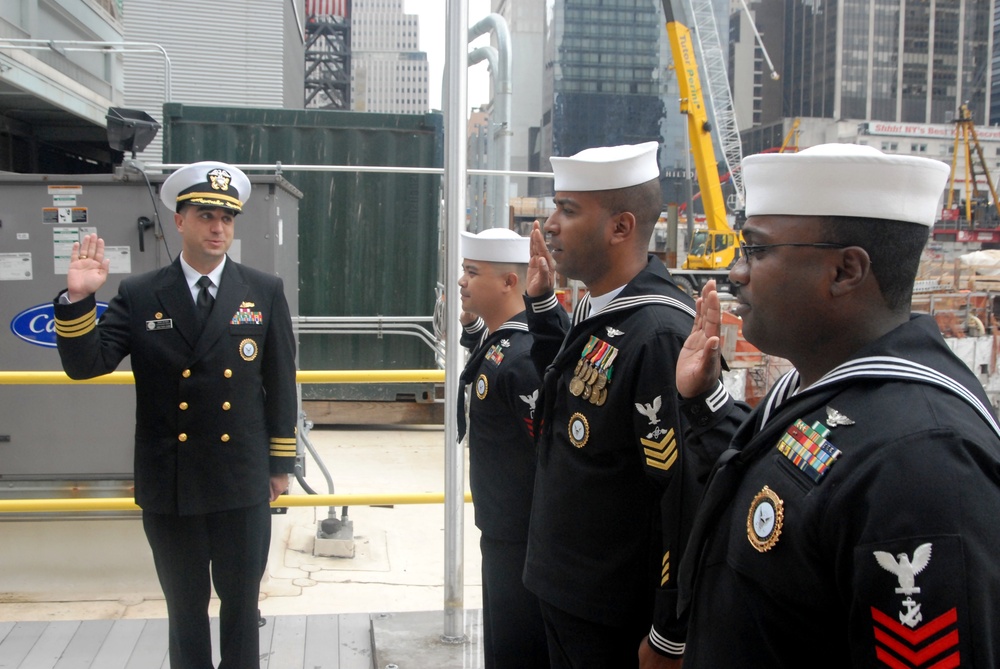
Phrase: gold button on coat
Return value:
(186, 373)
(184, 406)
(182, 437)
(228, 373)
(226, 406)
(224, 437)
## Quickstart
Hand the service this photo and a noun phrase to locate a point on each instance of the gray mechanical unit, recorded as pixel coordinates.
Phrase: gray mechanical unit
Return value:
(78, 436)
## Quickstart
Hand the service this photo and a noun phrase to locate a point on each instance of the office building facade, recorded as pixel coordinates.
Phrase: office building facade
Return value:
(886, 60)
(388, 71)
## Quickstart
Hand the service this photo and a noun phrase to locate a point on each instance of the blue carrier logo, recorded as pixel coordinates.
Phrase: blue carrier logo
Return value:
(37, 325)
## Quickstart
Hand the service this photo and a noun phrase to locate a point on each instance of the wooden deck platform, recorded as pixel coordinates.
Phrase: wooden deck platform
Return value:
(286, 642)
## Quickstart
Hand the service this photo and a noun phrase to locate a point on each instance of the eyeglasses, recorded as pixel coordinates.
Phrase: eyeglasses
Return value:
(748, 251)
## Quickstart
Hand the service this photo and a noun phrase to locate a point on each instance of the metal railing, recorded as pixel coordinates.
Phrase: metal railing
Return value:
(76, 504)
(415, 326)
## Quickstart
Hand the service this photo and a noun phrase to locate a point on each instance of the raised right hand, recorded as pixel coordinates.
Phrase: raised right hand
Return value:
(88, 268)
(541, 270)
(700, 362)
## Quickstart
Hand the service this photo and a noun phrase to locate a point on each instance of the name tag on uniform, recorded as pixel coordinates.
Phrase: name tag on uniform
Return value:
(160, 324)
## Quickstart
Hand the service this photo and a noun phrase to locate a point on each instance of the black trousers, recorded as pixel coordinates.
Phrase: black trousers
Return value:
(575, 643)
(513, 631)
(191, 553)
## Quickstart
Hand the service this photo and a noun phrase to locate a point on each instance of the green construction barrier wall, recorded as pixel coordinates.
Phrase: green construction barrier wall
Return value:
(368, 242)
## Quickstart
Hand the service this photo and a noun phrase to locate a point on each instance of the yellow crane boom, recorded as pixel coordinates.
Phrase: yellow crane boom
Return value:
(692, 105)
(715, 248)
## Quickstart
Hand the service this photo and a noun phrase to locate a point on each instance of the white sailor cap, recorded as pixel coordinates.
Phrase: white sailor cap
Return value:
(606, 167)
(496, 245)
(208, 183)
(844, 180)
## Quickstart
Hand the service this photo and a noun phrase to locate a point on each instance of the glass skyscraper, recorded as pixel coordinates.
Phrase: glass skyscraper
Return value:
(602, 74)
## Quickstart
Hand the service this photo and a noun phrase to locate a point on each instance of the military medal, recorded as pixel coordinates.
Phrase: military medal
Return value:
(602, 375)
(248, 349)
(593, 371)
(482, 387)
(807, 448)
(495, 354)
(582, 372)
(579, 430)
(245, 316)
(764, 521)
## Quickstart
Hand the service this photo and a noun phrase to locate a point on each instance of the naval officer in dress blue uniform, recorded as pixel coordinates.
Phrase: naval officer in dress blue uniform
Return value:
(213, 355)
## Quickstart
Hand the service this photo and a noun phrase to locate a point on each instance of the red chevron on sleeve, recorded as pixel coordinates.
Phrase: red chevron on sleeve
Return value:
(927, 645)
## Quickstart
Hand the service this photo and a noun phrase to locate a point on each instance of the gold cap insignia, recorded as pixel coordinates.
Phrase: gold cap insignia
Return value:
(219, 178)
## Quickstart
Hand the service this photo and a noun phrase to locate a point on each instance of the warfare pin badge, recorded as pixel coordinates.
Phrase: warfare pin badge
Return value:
(767, 514)
(482, 387)
(248, 349)
(579, 430)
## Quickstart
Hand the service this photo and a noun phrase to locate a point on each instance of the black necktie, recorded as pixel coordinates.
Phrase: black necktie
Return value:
(205, 299)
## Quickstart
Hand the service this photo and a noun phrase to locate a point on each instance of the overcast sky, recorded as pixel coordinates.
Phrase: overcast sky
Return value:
(432, 40)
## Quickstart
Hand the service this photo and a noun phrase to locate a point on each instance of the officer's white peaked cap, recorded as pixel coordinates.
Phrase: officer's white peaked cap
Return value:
(844, 180)
(606, 167)
(496, 245)
(209, 183)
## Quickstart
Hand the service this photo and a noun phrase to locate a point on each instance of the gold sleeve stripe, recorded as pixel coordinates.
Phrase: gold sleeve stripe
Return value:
(283, 447)
(282, 440)
(665, 572)
(282, 454)
(77, 326)
(79, 320)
